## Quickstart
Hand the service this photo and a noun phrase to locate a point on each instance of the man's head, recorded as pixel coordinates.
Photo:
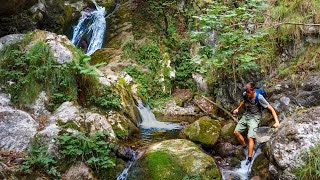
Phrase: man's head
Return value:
(250, 89)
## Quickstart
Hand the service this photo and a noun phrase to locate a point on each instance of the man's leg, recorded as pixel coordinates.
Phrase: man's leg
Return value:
(240, 138)
(241, 127)
(251, 145)
(253, 125)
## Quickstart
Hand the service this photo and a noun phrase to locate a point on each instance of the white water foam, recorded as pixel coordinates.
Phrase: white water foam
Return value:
(93, 24)
(244, 171)
(149, 120)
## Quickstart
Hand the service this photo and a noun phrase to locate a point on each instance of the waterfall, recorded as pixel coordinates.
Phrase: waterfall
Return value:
(92, 24)
(149, 120)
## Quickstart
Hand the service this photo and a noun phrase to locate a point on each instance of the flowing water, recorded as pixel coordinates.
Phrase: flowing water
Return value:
(124, 173)
(244, 171)
(149, 121)
(152, 131)
(90, 30)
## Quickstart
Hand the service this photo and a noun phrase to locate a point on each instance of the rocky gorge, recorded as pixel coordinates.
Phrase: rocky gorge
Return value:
(67, 115)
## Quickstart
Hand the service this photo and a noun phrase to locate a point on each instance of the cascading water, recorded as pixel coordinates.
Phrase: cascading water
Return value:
(149, 120)
(92, 24)
(124, 173)
(244, 170)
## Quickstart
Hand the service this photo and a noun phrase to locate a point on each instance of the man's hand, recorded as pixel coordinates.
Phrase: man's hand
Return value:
(276, 125)
(236, 111)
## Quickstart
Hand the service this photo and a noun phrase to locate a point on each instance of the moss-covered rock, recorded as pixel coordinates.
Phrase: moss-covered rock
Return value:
(174, 160)
(260, 166)
(227, 133)
(205, 131)
(122, 126)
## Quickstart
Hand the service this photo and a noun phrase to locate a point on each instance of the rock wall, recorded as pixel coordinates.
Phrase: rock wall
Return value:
(295, 136)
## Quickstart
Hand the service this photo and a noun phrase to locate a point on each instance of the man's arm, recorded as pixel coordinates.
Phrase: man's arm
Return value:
(238, 109)
(275, 116)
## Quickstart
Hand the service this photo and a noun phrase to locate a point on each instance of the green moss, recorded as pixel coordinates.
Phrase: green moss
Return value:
(161, 166)
(260, 166)
(205, 131)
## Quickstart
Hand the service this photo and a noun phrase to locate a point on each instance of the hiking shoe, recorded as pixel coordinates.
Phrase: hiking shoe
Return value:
(249, 160)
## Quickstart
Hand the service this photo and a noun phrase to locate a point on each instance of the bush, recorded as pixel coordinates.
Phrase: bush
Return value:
(94, 149)
(311, 168)
(38, 159)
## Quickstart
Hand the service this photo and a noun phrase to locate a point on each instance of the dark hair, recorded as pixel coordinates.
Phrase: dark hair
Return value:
(250, 86)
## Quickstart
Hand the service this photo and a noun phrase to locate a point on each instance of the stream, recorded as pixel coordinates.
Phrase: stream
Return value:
(89, 35)
(153, 131)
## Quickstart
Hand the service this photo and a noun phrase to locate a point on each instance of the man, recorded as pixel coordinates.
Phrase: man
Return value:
(251, 118)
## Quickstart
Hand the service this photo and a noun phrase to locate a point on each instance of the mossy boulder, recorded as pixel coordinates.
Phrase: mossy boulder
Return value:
(227, 133)
(174, 160)
(121, 125)
(260, 167)
(205, 131)
(127, 101)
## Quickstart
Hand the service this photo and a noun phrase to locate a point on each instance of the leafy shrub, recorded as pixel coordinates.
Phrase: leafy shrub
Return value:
(25, 74)
(94, 149)
(149, 55)
(38, 158)
(105, 99)
(311, 168)
(241, 45)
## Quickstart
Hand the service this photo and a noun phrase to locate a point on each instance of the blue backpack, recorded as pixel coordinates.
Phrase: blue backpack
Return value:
(256, 99)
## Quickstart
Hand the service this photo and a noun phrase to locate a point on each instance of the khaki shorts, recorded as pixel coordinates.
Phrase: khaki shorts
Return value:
(249, 123)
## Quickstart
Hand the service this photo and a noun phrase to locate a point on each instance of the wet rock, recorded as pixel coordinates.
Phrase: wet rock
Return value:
(205, 131)
(79, 171)
(17, 129)
(239, 153)
(260, 167)
(232, 176)
(174, 159)
(295, 136)
(233, 162)
(224, 149)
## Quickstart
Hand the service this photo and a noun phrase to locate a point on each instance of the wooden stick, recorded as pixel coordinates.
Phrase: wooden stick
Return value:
(223, 109)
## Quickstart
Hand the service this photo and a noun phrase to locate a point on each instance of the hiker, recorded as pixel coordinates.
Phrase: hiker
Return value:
(251, 118)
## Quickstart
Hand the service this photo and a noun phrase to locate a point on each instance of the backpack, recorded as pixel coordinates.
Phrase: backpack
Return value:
(256, 99)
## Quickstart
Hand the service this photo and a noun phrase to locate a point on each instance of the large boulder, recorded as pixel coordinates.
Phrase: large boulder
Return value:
(17, 129)
(70, 115)
(173, 160)
(295, 136)
(205, 131)
(62, 48)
